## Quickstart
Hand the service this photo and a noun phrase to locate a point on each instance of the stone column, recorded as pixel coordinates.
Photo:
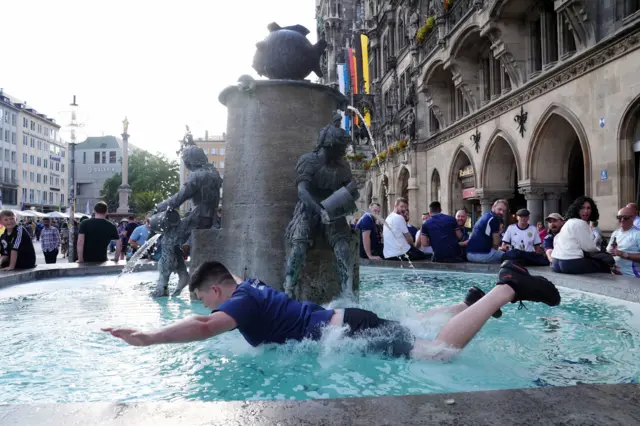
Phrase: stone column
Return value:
(124, 189)
(551, 204)
(485, 205)
(534, 197)
(259, 186)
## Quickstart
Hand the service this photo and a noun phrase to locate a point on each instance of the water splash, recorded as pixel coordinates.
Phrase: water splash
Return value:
(135, 259)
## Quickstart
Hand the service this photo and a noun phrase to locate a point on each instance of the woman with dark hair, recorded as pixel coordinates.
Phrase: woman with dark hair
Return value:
(573, 247)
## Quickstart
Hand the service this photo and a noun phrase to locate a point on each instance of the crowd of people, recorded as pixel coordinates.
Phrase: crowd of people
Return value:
(570, 243)
(95, 234)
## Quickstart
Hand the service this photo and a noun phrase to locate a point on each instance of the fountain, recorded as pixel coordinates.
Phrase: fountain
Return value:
(271, 125)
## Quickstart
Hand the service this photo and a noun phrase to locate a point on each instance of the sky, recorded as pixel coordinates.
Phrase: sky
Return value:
(161, 63)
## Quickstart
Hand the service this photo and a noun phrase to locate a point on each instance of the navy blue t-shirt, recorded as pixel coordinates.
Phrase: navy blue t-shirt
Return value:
(266, 315)
(481, 240)
(547, 244)
(412, 230)
(441, 230)
(466, 232)
(368, 223)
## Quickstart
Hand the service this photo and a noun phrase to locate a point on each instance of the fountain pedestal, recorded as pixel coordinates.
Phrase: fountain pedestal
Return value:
(270, 124)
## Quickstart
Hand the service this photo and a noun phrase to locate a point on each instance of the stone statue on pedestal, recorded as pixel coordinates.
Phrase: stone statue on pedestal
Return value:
(203, 189)
(327, 193)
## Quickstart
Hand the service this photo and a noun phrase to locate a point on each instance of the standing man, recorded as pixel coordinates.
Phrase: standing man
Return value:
(485, 240)
(370, 233)
(16, 247)
(49, 241)
(94, 237)
(398, 242)
(555, 221)
(442, 232)
(625, 244)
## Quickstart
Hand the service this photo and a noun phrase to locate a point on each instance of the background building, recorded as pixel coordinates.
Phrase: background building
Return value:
(40, 168)
(97, 159)
(8, 153)
(214, 147)
(536, 101)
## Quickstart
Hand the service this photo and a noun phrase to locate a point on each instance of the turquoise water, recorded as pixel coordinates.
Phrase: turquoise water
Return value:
(52, 349)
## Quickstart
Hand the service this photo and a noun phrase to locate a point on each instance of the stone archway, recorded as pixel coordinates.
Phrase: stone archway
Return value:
(436, 186)
(559, 159)
(629, 154)
(501, 170)
(462, 183)
(402, 183)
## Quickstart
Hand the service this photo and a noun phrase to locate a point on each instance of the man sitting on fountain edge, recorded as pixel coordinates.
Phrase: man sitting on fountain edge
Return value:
(265, 315)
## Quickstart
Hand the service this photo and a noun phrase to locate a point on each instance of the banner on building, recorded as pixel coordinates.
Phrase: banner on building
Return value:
(364, 42)
(340, 68)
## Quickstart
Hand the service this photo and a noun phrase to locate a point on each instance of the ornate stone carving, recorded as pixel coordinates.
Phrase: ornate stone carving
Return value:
(607, 52)
(532, 192)
(575, 14)
(475, 138)
(521, 119)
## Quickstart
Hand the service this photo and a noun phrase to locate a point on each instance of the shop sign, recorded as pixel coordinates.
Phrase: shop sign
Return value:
(466, 171)
(469, 193)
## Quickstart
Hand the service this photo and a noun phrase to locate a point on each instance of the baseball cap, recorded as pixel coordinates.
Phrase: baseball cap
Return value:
(523, 213)
(556, 216)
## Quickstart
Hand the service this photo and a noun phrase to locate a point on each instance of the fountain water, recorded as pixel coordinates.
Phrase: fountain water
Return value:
(135, 259)
(386, 189)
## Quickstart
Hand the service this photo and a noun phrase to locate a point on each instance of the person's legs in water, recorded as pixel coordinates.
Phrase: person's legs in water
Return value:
(514, 284)
(473, 295)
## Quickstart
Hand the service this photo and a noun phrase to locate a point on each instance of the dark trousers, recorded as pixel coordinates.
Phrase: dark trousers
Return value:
(579, 266)
(412, 254)
(527, 258)
(50, 256)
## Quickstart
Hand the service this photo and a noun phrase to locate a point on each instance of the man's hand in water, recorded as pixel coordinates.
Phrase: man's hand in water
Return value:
(129, 335)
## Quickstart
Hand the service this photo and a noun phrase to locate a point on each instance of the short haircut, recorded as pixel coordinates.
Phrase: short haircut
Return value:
(372, 205)
(401, 200)
(501, 201)
(7, 213)
(435, 206)
(210, 271)
(101, 207)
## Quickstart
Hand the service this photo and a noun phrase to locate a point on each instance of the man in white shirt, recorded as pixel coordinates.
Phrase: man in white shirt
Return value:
(397, 240)
(624, 244)
(522, 242)
(522, 235)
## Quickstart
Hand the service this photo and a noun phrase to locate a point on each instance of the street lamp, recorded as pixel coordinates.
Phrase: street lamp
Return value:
(73, 126)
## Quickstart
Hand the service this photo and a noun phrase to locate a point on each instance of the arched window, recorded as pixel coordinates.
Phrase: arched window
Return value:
(435, 186)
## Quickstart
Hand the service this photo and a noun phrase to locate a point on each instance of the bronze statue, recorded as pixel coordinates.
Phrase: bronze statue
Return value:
(203, 189)
(326, 194)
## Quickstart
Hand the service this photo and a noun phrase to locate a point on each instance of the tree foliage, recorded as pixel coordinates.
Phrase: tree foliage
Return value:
(152, 178)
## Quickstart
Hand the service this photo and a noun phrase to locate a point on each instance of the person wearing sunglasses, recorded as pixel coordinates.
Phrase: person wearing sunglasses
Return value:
(624, 244)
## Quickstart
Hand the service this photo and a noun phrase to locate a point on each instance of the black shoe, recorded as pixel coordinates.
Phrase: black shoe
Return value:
(473, 295)
(526, 286)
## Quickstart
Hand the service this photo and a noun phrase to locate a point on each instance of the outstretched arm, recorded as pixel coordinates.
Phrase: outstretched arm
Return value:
(187, 191)
(306, 197)
(189, 330)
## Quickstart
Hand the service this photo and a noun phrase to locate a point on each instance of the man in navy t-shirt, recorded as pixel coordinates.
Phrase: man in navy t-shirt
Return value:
(442, 233)
(265, 315)
(370, 234)
(485, 239)
(555, 221)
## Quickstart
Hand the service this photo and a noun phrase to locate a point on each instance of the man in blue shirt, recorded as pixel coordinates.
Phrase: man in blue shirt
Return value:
(265, 315)
(485, 239)
(139, 235)
(442, 232)
(371, 233)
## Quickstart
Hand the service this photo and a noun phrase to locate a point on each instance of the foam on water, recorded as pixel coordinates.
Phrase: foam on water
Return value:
(53, 351)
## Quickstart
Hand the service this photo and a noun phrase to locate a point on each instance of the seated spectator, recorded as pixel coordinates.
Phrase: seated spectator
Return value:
(371, 233)
(412, 229)
(16, 247)
(425, 216)
(574, 251)
(485, 240)
(397, 241)
(443, 234)
(636, 220)
(542, 231)
(624, 244)
(140, 235)
(461, 218)
(522, 242)
(555, 221)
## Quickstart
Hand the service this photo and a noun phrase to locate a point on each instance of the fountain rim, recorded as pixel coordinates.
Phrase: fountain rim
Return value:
(339, 97)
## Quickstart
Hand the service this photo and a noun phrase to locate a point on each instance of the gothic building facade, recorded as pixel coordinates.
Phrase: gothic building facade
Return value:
(536, 101)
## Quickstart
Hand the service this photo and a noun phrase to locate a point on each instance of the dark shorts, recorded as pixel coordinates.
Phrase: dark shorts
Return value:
(384, 336)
